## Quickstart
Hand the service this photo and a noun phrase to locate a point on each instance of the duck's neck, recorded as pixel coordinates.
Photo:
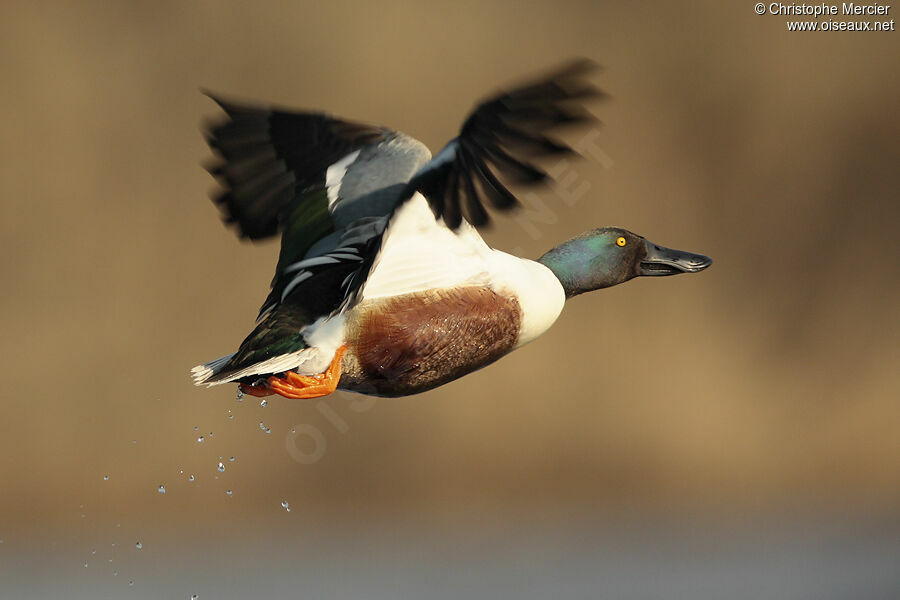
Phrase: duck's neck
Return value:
(565, 267)
(580, 264)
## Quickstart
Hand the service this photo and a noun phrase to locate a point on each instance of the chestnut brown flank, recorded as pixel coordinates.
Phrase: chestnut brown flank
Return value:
(412, 343)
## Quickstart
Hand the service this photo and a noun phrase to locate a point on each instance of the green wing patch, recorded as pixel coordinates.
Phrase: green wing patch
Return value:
(306, 223)
(278, 333)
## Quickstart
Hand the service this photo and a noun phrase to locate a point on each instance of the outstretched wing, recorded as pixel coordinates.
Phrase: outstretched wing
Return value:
(270, 159)
(305, 175)
(501, 136)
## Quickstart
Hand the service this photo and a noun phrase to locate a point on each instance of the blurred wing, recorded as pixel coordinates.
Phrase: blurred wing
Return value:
(306, 175)
(269, 158)
(499, 137)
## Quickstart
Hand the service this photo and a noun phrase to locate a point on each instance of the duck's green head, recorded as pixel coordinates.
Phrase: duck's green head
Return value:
(609, 256)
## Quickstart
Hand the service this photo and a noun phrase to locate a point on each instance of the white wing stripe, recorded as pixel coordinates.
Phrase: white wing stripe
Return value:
(334, 176)
(316, 261)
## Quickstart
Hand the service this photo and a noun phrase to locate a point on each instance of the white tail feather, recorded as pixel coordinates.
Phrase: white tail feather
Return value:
(201, 373)
(204, 375)
(324, 337)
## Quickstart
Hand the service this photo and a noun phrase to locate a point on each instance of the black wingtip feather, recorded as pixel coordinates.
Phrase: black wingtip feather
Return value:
(266, 157)
(501, 136)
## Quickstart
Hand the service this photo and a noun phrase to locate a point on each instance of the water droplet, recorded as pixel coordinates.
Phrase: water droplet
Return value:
(262, 425)
(115, 573)
(191, 478)
(240, 395)
(194, 596)
(85, 565)
(106, 478)
(231, 459)
(285, 505)
(131, 583)
(114, 544)
(268, 430)
(227, 492)
(264, 403)
(196, 428)
(93, 551)
(200, 440)
(108, 560)
(210, 434)
(139, 545)
(221, 468)
(161, 489)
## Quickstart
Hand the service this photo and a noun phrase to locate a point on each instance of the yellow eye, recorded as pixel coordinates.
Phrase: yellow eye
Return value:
(620, 241)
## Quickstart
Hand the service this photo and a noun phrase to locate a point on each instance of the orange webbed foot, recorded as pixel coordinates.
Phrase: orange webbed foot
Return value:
(294, 385)
(260, 391)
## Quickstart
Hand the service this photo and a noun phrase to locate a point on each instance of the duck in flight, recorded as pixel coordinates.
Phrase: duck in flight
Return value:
(383, 284)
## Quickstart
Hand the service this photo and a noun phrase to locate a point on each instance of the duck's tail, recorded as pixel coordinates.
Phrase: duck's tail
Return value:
(306, 361)
(206, 374)
(275, 348)
(309, 361)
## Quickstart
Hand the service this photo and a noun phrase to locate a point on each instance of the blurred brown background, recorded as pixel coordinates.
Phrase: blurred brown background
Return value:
(763, 390)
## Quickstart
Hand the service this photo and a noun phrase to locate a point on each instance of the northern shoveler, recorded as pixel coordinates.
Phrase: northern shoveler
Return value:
(383, 285)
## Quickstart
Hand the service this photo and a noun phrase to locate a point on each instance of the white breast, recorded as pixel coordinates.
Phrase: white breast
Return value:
(539, 292)
(419, 253)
